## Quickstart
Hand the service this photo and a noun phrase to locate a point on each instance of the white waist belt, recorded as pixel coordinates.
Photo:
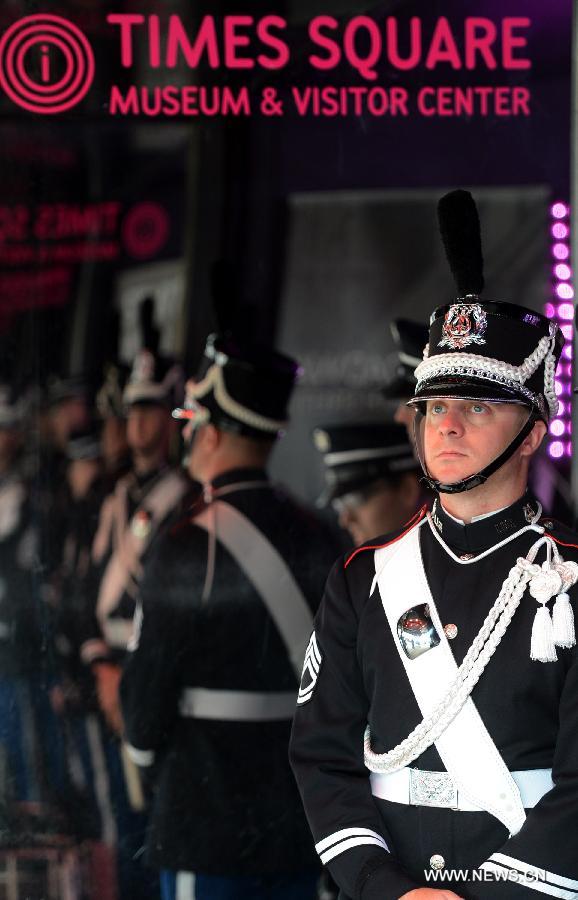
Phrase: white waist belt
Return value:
(417, 787)
(117, 632)
(237, 706)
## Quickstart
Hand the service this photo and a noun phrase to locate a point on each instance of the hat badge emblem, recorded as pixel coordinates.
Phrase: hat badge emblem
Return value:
(143, 367)
(464, 324)
(141, 524)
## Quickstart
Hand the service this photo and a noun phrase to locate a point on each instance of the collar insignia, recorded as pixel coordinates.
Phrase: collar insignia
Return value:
(436, 519)
(505, 526)
(529, 512)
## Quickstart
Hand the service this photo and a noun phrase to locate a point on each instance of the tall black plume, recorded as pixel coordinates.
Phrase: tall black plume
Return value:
(460, 230)
(150, 334)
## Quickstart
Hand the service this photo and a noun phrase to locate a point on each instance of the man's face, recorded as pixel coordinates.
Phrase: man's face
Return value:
(10, 439)
(113, 439)
(67, 416)
(147, 427)
(404, 415)
(461, 437)
(374, 511)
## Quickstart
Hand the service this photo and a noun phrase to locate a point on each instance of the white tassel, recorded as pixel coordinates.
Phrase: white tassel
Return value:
(563, 622)
(542, 646)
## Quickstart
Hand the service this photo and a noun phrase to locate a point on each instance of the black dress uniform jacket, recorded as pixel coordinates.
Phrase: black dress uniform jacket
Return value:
(23, 616)
(529, 708)
(225, 802)
(103, 633)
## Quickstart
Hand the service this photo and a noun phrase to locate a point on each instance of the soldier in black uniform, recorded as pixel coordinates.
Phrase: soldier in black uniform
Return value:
(227, 609)
(74, 697)
(436, 737)
(32, 766)
(131, 516)
(409, 338)
(371, 476)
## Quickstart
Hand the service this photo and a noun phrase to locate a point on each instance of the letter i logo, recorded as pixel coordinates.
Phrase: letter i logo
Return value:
(46, 64)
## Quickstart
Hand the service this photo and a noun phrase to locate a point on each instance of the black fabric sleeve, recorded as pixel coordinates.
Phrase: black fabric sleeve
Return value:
(326, 753)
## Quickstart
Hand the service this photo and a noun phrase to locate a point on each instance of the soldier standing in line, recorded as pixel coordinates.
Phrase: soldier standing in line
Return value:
(74, 698)
(436, 741)
(32, 766)
(142, 501)
(409, 338)
(227, 603)
(371, 476)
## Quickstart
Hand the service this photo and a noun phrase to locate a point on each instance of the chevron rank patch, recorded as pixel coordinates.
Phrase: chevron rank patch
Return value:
(311, 667)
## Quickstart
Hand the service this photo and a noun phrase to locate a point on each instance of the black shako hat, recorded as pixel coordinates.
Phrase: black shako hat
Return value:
(356, 456)
(484, 350)
(410, 339)
(154, 379)
(69, 387)
(12, 408)
(242, 388)
(84, 444)
(109, 397)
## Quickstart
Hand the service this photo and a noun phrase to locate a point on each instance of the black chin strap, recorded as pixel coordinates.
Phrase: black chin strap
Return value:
(473, 481)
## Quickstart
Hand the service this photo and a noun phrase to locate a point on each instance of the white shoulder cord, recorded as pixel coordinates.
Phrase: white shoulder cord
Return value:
(209, 495)
(548, 580)
(215, 380)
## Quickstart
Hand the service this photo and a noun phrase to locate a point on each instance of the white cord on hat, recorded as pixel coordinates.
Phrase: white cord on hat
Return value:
(470, 364)
(215, 380)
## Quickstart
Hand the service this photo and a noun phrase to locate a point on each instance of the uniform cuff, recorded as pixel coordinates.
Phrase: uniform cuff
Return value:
(143, 758)
(94, 650)
(384, 882)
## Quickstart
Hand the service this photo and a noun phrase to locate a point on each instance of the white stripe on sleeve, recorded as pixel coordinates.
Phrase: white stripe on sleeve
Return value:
(345, 839)
(534, 882)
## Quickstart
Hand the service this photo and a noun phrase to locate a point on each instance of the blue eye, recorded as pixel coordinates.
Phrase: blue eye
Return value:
(478, 408)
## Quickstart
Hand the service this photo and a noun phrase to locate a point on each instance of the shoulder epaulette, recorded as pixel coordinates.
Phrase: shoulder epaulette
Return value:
(188, 516)
(551, 524)
(415, 519)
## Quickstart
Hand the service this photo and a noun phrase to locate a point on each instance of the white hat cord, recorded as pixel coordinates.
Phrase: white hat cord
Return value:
(214, 380)
(471, 364)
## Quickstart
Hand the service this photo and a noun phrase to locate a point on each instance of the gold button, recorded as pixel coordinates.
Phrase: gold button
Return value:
(437, 862)
(450, 631)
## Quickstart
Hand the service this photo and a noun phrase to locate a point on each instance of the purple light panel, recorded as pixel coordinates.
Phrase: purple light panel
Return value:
(559, 210)
(560, 231)
(560, 309)
(561, 251)
(562, 271)
(557, 427)
(565, 311)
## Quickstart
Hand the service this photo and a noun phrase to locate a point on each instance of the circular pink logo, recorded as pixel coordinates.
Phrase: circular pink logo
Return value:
(145, 230)
(46, 64)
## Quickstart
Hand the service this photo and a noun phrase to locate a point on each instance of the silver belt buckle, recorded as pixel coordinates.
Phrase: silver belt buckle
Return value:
(432, 789)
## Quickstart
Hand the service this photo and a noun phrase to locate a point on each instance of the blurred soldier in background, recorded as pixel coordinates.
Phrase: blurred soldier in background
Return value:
(409, 338)
(371, 475)
(32, 766)
(66, 408)
(142, 501)
(110, 408)
(227, 603)
(74, 698)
